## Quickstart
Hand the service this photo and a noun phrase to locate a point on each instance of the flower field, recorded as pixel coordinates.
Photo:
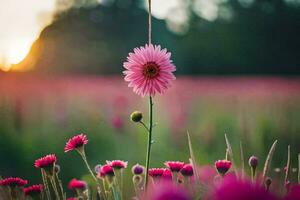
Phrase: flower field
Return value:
(40, 114)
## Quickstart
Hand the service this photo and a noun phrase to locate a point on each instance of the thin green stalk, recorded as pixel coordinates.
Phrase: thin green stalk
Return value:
(149, 140)
(253, 171)
(288, 164)
(82, 153)
(298, 168)
(46, 186)
(242, 160)
(267, 164)
(60, 188)
(52, 181)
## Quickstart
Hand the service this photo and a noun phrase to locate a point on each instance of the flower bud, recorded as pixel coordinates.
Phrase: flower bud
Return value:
(253, 162)
(137, 169)
(136, 116)
(56, 168)
(268, 182)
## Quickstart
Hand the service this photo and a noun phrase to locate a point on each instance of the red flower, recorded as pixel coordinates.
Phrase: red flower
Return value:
(33, 190)
(76, 142)
(187, 170)
(156, 172)
(106, 170)
(223, 166)
(13, 181)
(167, 175)
(117, 164)
(174, 166)
(46, 161)
(76, 184)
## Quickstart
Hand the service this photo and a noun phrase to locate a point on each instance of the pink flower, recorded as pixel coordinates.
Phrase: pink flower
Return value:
(46, 161)
(223, 166)
(187, 170)
(117, 164)
(76, 142)
(174, 166)
(294, 193)
(76, 184)
(167, 175)
(156, 172)
(167, 191)
(106, 170)
(149, 70)
(232, 188)
(33, 190)
(13, 181)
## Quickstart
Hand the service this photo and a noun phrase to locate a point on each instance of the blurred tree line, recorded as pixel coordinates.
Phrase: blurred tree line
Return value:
(205, 36)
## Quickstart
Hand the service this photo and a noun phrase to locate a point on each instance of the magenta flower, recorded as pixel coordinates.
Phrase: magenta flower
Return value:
(187, 170)
(77, 184)
(156, 172)
(117, 164)
(13, 181)
(167, 191)
(76, 142)
(33, 190)
(231, 188)
(222, 166)
(167, 175)
(174, 166)
(149, 70)
(47, 161)
(294, 193)
(106, 170)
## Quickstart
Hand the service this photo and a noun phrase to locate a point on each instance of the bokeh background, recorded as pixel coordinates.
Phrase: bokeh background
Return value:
(61, 61)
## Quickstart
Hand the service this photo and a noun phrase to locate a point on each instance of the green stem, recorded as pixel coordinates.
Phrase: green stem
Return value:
(82, 153)
(253, 170)
(60, 188)
(52, 181)
(298, 168)
(44, 177)
(149, 140)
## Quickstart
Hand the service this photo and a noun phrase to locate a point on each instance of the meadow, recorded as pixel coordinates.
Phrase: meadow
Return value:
(39, 114)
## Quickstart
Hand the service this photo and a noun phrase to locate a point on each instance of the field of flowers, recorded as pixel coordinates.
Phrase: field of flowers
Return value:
(39, 115)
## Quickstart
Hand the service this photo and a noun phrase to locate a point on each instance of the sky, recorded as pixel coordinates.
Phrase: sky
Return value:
(21, 22)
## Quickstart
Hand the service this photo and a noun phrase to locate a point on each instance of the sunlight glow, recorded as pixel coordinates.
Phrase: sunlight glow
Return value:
(20, 25)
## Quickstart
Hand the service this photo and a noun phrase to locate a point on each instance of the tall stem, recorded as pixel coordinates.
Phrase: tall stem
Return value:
(101, 194)
(46, 186)
(149, 139)
(150, 23)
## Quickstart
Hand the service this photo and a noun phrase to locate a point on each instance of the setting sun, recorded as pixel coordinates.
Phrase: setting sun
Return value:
(20, 25)
(18, 50)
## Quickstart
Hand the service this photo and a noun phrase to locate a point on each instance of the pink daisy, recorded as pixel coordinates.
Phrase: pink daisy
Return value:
(117, 164)
(76, 184)
(13, 181)
(46, 161)
(223, 166)
(149, 70)
(76, 142)
(33, 190)
(174, 166)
